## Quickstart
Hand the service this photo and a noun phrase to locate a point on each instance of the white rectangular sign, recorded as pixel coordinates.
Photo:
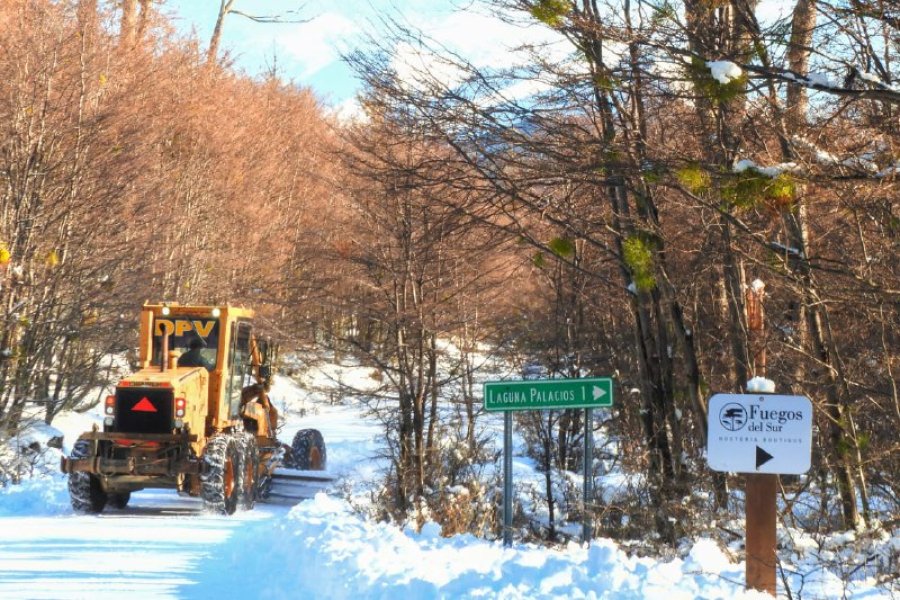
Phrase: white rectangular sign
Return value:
(760, 433)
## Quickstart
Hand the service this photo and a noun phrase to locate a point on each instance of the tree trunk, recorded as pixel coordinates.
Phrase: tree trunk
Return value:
(803, 23)
(146, 8)
(215, 40)
(838, 425)
(734, 281)
(431, 452)
(812, 313)
(128, 24)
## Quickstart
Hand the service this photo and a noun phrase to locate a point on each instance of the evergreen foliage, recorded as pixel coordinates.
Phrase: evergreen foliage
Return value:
(752, 189)
(710, 88)
(638, 256)
(562, 247)
(694, 178)
(551, 12)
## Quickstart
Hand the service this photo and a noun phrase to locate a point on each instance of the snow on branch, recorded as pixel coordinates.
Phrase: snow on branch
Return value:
(288, 17)
(860, 162)
(772, 171)
(891, 171)
(724, 71)
(857, 84)
(872, 79)
(864, 162)
(785, 250)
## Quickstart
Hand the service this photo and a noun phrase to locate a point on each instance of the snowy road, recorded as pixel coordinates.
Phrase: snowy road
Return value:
(163, 547)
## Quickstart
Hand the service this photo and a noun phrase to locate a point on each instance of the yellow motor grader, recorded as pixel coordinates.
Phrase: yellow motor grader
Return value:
(196, 418)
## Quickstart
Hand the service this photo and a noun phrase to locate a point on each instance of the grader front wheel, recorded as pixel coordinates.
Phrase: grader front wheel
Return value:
(220, 485)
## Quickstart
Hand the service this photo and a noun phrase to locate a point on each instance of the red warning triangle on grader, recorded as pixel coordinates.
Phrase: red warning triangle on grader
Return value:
(144, 406)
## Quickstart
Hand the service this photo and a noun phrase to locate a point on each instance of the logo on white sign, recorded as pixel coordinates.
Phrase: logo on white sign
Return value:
(733, 417)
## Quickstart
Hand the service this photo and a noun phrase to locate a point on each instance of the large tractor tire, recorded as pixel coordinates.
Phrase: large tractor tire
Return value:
(250, 472)
(220, 481)
(308, 450)
(119, 500)
(85, 491)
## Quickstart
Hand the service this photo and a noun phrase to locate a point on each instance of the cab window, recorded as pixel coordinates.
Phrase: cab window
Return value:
(239, 367)
(185, 332)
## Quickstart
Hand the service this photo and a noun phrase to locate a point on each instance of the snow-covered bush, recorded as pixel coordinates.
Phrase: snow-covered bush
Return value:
(34, 452)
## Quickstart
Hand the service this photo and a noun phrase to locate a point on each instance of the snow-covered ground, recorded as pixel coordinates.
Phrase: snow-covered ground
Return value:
(164, 546)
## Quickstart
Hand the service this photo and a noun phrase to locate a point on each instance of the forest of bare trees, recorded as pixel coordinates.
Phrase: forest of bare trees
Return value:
(135, 167)
(607, 220)
(674, 155)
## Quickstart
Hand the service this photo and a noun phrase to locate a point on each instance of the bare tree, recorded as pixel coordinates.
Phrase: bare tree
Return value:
(226, 7)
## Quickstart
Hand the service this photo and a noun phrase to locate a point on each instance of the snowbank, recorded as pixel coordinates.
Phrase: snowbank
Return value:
(364, 559)
(47, 495)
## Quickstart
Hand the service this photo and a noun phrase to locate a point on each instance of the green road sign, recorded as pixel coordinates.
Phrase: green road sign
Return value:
(548, 393)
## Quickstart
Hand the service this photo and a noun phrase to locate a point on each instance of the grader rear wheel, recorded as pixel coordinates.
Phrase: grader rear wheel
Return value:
(220, 485)
(119, 500)
(308, 450)
(85, 491)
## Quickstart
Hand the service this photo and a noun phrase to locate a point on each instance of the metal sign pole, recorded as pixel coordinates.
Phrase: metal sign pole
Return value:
(507, 479)
(588, 473)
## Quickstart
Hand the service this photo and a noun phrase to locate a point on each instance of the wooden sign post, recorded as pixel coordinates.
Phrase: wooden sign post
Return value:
(762, 435)
(760, 488)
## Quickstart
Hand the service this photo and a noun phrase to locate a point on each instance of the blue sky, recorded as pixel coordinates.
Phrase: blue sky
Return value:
(308, 53)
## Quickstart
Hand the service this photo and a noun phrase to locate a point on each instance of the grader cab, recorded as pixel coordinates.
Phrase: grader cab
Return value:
(196, 417)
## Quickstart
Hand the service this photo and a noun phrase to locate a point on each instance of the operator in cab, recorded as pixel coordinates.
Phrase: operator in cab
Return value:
(194, 356)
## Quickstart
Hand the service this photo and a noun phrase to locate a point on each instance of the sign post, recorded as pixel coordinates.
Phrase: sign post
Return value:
(761, 523)
(507, 479)
(587, 528)
(546, 394)
(760, 520)
(762, 435)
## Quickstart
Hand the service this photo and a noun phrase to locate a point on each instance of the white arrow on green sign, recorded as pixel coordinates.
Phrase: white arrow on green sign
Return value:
(548, 394)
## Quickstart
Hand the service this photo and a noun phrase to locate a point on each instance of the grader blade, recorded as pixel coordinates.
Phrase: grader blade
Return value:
(290, 486)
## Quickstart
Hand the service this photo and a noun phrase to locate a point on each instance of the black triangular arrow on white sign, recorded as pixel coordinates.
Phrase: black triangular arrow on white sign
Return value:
(762, 457)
